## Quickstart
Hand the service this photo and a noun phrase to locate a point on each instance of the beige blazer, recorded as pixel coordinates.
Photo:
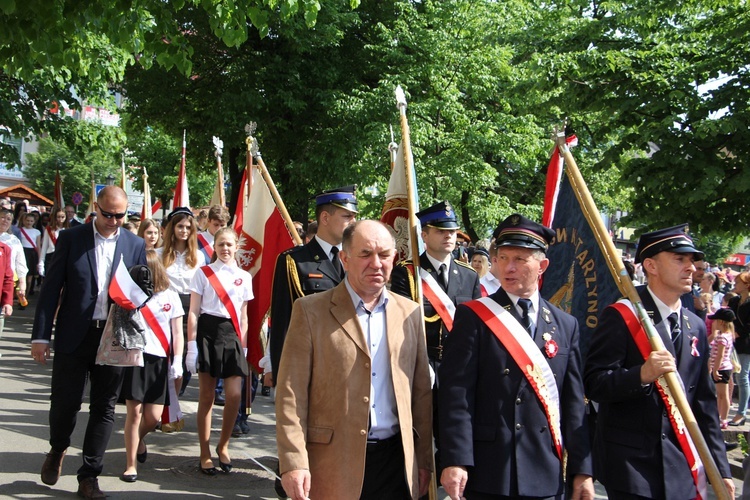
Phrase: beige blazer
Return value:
(323, 392)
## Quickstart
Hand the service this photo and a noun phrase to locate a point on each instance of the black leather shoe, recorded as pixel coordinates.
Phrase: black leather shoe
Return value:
(52, 467)
(129, 478)
(88, 488)
(211, 471)
(141, 457)
(737, 423)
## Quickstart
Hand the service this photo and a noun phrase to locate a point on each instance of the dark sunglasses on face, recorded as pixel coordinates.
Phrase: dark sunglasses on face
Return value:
(109, 215)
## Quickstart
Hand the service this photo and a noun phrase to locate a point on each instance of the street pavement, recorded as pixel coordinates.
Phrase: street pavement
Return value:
(171, 470)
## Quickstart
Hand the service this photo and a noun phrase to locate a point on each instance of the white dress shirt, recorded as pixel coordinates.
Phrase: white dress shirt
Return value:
(533, 310)
(104, 252)
(180, 274)
(383, 410)
(236, 282)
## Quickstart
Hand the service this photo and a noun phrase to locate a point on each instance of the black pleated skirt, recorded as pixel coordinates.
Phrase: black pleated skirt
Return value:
(219, 351)
(147, 383)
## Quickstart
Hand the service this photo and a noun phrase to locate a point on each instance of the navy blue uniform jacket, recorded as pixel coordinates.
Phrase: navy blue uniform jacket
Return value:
(72, 273)
(492, 422)
(635, 449)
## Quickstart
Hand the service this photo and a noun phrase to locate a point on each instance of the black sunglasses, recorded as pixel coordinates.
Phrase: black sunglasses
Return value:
(109, 215)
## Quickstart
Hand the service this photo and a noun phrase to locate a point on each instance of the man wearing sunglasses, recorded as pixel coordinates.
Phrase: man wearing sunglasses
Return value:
(78, 278)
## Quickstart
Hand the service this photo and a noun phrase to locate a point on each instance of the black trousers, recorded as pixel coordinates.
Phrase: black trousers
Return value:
(385, 473)
(70, 372)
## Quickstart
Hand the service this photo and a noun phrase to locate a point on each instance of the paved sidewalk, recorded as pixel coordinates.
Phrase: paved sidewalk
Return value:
(171, 470)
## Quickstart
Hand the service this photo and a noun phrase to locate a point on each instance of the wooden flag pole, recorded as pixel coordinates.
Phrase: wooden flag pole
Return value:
(252, 149)
(614, 262)
(414, 233)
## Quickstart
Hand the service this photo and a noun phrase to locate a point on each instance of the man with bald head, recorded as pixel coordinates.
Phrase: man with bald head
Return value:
(353, 396)
(78, 279)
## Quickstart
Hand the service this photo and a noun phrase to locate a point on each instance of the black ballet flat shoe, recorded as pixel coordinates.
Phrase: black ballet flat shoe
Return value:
(737, 423)
(141, 457)
(211, 471)
(129, 478)
(226, 468)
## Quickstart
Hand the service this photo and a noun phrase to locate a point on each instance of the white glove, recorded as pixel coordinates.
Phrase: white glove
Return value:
(175, 371)
(191, 359)
(40, 269)
(244, 350)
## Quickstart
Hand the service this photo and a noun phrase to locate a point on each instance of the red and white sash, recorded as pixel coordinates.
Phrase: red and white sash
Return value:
(527, 355)
(52, 235)
(26, 235)
(153, 323)
(483, 290)
(626, 310)
(443, 305)
(205, 246)
(224, 297)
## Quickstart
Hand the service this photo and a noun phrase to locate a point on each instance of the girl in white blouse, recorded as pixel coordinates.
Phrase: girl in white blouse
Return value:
(217, 344)
(181, 259)
(57, 223)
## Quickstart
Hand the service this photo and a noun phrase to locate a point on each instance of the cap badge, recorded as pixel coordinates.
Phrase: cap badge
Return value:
(515, 220)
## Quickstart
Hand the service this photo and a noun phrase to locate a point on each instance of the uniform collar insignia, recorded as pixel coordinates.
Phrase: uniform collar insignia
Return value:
(507, 308)
(317, 258)
(546, 314)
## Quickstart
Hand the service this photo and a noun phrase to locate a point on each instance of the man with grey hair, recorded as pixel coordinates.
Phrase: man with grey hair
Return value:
(366, 435)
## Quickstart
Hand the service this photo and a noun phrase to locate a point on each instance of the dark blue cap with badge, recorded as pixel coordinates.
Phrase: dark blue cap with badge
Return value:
(518, 231)
(342, 197)
(439, 215)
(672, 239)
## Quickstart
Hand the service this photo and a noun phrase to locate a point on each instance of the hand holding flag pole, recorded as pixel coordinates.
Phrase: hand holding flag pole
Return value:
(614, 262)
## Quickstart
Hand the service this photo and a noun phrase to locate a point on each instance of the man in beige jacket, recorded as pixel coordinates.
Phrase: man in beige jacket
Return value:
(353, 400)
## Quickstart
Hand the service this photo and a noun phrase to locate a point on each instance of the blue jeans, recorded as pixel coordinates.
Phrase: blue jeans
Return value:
(744, 383)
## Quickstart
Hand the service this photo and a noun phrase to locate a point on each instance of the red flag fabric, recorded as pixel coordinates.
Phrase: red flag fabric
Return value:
(181, 196)
(552, 188)
(395, 213)
(58, 191)
(263, 236)
(124, 291)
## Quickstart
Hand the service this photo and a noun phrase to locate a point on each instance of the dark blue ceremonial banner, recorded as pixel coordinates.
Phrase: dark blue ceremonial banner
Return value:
(578, 280)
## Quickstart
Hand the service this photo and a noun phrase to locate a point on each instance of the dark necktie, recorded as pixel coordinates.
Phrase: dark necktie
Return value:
(337, 262)
(674, 328)
(525, 305)
(443, 276)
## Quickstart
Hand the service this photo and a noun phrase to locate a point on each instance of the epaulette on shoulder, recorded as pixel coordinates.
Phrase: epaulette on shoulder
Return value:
(405, 263)
(462, 263)
(295, 249)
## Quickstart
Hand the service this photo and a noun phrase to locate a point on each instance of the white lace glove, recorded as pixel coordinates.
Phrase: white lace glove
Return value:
(175, 371)
(191, 359)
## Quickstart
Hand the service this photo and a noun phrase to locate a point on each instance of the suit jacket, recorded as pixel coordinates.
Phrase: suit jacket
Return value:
(323, 389)
(635, 449)
(463, 285)
(492, 422)
(71, 282)
(300, 271)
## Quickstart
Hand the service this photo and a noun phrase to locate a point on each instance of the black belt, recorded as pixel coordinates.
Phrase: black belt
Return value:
(379, 443)
(97, 324)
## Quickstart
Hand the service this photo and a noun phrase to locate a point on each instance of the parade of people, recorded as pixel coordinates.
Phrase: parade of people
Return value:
(490, 250)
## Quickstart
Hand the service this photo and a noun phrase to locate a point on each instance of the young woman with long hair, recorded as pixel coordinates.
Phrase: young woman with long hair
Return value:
(58, 221)
(151, 233)
(181, 258)
(741, 308)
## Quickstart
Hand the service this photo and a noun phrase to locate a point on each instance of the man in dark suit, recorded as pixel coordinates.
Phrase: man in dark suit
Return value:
(637, 452)
(454, 281)
(78, 279)
(70, 214)
(311, 268)
(511, 393)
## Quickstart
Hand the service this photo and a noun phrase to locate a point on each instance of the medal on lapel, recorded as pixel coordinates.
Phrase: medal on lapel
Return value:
(550, 346)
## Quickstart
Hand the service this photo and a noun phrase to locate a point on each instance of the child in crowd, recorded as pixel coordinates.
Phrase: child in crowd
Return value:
(30, 243)
(145, 388)
(720, 363)
(217, 344)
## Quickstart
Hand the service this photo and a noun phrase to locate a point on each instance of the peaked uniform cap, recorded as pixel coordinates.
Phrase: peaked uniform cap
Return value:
(673, 239)
(519, 231)
(440, 215)
(343, 197)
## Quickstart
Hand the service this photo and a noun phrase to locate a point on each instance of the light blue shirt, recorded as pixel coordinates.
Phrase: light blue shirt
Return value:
(383, 410)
